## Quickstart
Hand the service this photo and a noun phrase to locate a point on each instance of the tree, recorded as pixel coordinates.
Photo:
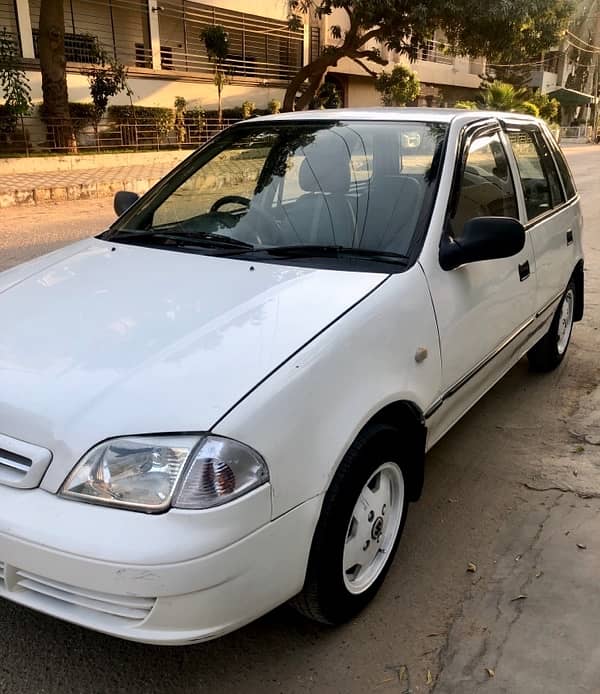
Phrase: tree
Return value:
(180, 106)
(547, 107)
(398, 87)
(216, 42)
(529, 108)
(500, 96)
(107, 77)
(14, 86)
(53, 67)
(327, 96)
(471, 27)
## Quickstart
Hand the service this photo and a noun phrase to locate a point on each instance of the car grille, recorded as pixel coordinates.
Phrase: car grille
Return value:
(14, 466)
(22, 464)
(41, 591)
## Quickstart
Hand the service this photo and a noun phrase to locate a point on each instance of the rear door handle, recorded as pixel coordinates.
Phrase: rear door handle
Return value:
(569, 237)
(524, 271)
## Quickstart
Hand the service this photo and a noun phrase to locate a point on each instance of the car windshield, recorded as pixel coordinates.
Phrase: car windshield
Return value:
(298, 190)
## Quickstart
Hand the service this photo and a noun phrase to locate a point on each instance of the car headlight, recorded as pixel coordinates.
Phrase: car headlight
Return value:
(152, 473)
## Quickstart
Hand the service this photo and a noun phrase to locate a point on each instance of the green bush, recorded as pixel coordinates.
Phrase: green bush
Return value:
(193, 119)
(82, 116)
(398, 87)
(162, 118)
(142, 125)
(467, 105)
(8, 122)
(529, 108)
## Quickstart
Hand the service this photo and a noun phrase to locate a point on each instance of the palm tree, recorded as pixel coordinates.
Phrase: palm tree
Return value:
(500, 96)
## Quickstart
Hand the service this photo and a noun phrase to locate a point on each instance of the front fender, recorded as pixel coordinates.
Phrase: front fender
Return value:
(306, 415)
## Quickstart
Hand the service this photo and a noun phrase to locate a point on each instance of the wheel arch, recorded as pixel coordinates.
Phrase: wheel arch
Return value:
(578, 278)
(407, 418)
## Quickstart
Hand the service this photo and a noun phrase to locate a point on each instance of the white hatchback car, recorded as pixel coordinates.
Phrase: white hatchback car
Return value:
(224, 401)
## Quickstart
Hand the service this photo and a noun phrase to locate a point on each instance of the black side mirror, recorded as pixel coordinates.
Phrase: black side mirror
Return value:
(124, 199)
(483, 238)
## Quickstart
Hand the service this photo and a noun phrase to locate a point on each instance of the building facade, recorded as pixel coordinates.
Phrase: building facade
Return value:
(159, 42)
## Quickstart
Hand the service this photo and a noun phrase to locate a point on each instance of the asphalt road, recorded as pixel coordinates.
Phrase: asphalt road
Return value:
(474, 503)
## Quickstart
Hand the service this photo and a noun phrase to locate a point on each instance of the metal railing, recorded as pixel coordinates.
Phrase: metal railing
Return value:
(31, 136)
(435, 52)
(576, 132)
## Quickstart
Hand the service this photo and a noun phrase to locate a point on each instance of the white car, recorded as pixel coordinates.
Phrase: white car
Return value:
(224, 401)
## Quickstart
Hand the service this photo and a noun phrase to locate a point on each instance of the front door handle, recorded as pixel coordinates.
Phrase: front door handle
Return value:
(569, 237)
(524, 271)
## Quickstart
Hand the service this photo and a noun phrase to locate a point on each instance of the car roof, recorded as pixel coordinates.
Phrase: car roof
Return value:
(409, 114)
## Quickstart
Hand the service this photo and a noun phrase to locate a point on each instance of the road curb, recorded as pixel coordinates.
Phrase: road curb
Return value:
(82, 191)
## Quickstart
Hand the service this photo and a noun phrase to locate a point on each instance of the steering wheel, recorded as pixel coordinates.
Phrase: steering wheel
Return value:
(228, 199)
(267, 235)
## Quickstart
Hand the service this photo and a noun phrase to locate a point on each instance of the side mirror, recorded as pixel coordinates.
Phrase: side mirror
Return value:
(483, 238)
(124, 199)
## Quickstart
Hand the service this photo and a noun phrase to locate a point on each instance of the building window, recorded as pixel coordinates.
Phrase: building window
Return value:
(79, 48)
(166, 58)
(315, 42)
(259, 47)
(143, 57)
(119, 27)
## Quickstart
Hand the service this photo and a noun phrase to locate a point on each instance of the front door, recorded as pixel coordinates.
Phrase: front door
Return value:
(483, 309)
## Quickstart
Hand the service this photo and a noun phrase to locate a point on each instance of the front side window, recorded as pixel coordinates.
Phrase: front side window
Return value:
(486, 187)
(277, 189)
(541, 184)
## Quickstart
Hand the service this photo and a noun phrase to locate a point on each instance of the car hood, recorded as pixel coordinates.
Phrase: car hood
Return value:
(101, 340)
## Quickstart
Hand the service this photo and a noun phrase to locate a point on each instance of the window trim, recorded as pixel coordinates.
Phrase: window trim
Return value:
(533, 129)
(556, 151)
(529, 224)
(470, 133)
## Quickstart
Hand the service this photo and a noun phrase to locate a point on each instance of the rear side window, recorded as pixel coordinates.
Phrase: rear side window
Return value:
(539, 177)
(486, 186)
(565, 172)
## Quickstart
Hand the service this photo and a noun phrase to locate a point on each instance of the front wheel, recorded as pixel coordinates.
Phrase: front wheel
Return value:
(359, 529)
(548, 353)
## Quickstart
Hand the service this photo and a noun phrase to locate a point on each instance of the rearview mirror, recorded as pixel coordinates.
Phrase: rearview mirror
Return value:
(124, 199)
(483, 238)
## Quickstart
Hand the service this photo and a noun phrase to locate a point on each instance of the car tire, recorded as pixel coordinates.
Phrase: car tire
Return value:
(548, 353)
(359, 529)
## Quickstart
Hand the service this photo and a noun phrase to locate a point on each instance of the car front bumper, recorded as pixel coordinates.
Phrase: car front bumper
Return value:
(158, 595)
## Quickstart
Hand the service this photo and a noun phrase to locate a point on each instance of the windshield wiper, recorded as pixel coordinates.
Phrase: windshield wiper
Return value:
(182, 238)
(325, 251)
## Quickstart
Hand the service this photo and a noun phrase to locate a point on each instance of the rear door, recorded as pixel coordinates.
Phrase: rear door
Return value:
(551, 217)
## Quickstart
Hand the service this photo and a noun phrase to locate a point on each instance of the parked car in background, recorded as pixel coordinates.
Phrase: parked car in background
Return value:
(224, 401)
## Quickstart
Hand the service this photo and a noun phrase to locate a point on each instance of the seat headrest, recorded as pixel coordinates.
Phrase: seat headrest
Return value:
(326, 167)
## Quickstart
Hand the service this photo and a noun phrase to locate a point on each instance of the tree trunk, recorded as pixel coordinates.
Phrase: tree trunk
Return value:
(54, 75)
(313, 72)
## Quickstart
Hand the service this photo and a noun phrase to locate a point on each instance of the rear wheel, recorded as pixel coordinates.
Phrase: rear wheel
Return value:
(360, 526)
(548, 353)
